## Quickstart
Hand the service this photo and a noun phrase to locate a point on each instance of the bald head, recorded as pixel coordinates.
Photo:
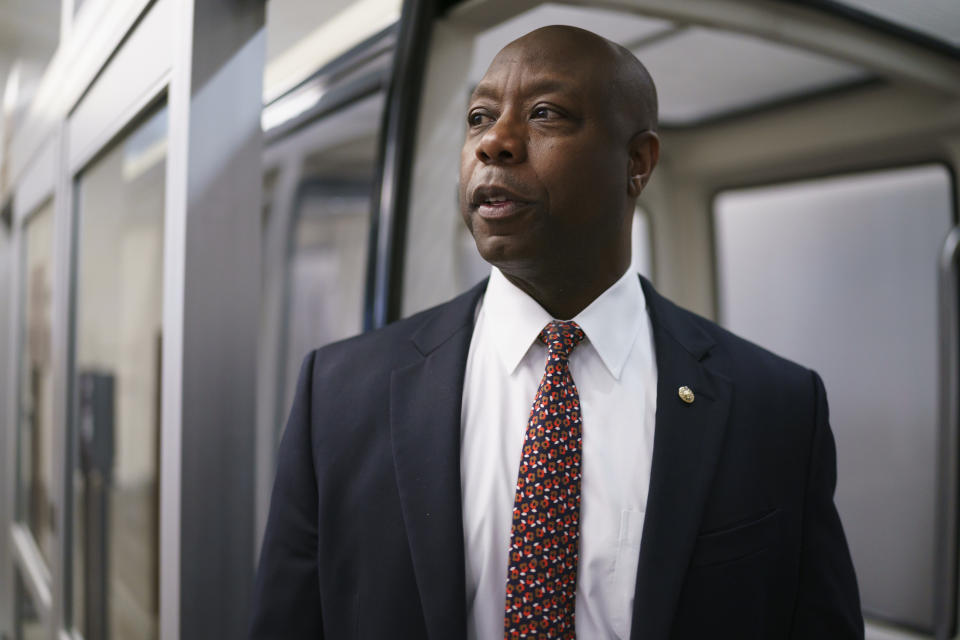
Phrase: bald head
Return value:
(633, 92)
(559, 144)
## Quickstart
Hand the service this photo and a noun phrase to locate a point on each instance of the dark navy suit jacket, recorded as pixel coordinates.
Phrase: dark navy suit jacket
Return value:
(741, 538)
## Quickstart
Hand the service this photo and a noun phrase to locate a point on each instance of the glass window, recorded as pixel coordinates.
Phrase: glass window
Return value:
(839, 274)
(331, 227)
(36, 472)
(116, 382)
(328, 264)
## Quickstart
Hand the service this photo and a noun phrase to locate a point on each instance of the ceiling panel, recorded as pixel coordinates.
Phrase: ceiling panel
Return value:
(625, 28)
(939, 19)
(29, 33)
(702, 73)
(304, 35)
(290, 21)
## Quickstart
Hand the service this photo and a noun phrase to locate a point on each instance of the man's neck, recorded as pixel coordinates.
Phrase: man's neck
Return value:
(565, 297)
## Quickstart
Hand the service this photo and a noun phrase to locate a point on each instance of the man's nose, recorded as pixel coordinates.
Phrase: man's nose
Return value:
(503, 143)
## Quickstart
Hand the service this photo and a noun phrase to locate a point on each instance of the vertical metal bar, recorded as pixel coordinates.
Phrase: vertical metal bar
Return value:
(6, 476)
(945, 589)
(171, 368)
(270, 369)
(9, 448)
(34, 569)
(397, 147)
(62, 363)
(211, 299)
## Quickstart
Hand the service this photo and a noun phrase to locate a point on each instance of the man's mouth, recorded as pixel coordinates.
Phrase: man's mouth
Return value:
(495, 203)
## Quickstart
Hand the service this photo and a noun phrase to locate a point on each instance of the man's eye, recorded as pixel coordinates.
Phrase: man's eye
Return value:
(545, 113)
(475, 118)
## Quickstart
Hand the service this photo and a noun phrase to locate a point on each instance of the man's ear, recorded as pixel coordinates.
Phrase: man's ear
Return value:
(644, 152)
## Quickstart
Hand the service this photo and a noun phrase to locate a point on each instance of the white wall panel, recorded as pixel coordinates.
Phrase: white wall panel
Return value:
(839, 274)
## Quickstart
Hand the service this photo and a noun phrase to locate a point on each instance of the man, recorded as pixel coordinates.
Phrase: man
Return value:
(658, 478)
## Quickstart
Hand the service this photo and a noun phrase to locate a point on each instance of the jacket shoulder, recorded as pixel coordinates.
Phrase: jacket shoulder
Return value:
(744, 361)
(398, 342)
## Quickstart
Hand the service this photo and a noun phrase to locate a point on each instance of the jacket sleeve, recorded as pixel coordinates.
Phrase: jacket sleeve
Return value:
(286, 596)
(828, 604)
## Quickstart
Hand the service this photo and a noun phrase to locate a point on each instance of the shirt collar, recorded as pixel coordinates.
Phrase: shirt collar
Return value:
(611, 322)
(515, 319)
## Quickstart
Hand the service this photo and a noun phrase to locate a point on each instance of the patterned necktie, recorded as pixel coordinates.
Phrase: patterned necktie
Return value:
(544, 539)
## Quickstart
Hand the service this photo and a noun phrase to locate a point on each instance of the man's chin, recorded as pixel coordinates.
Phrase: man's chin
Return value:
(503, 251)
(513, 258)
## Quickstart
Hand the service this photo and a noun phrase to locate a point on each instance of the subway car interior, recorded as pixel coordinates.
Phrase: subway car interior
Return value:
(196, 194)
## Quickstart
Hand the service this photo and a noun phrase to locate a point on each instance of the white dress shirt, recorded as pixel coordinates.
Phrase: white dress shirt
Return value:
(615, 371)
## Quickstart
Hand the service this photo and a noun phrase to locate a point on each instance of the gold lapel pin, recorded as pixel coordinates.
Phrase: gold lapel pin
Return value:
(686, 394)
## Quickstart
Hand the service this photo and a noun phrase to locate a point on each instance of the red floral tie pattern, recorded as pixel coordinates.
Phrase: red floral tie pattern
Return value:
(544, 539)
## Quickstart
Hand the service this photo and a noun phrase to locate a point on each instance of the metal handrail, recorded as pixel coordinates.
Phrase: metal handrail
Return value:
(945, 567)
(397, 146)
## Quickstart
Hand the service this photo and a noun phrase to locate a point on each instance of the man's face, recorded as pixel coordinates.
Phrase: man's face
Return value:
(544, 169)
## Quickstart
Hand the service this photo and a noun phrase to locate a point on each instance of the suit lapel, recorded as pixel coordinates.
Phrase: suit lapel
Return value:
(686, 448)
(425, 399)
